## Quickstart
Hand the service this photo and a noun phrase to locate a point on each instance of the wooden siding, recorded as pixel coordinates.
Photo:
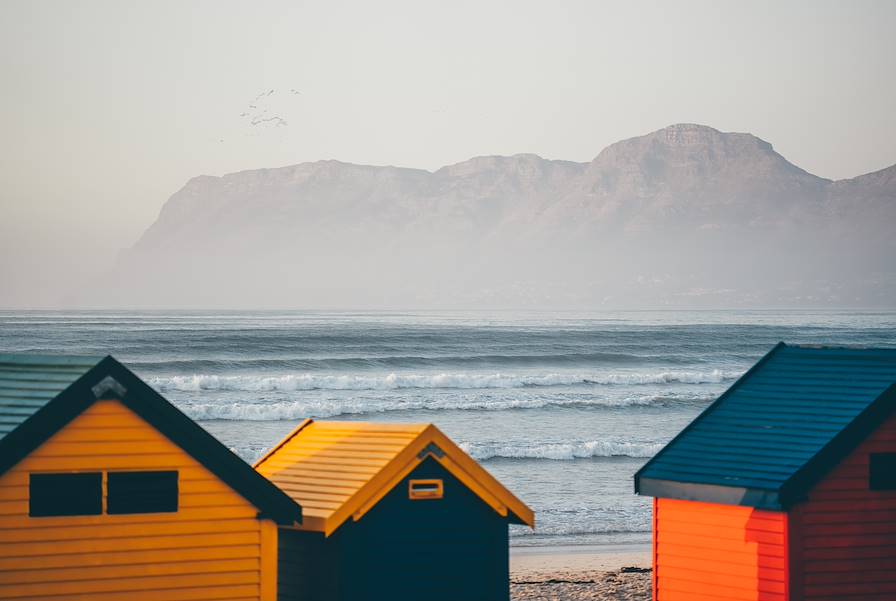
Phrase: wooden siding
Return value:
(844, 535)
(446, 549)
(340, 470)
(211, 548)
(309, 566)
(709, 552)
(449, 549)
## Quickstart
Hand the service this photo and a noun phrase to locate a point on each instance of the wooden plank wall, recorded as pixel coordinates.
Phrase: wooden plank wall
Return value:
(309, 566)
(708, 552)
(449, 549)
(211, 548)
(845, 534)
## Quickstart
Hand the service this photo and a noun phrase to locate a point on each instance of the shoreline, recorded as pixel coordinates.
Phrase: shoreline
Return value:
(547, 559)
(591, 572)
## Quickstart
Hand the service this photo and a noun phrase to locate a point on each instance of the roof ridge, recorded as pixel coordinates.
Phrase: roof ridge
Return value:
(401, 457)
(77, 395)
(811, 403)
(307, 421)
(843, 443)
(366, 425)
(521, 510)
(703, 414)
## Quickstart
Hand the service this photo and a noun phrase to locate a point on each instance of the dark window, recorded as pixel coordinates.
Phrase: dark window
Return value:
(65, 494)
(141, 492)
(882, 472)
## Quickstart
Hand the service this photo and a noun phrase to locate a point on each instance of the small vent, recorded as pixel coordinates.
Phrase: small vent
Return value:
(109, 388)
(419, 490)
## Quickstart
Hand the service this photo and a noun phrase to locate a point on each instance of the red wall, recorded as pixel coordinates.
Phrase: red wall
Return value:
(844, 535)
(708, 552)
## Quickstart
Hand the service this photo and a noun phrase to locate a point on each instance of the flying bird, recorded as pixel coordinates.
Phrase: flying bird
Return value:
(277, 121)
(260, 113)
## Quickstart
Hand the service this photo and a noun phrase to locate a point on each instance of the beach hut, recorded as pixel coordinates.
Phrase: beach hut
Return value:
(391, 511)
(108, 492)
(785, 487)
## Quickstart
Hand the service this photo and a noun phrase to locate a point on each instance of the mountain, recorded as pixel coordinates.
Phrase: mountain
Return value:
(686, 216)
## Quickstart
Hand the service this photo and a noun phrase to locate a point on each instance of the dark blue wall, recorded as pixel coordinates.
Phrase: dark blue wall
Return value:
(448, 549)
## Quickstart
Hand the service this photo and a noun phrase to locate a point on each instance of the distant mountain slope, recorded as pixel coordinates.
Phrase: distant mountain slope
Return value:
(685, 216)
(693, 171)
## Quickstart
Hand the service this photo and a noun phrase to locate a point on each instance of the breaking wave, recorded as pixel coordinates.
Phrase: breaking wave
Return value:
(393, 381)
(294, 410)
(560, 451)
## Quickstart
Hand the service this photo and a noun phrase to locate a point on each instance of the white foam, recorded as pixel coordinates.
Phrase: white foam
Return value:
(561, 451)
(294, 410)
(393, 381)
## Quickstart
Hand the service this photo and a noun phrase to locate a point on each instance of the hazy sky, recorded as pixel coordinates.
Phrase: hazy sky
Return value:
(109, 107)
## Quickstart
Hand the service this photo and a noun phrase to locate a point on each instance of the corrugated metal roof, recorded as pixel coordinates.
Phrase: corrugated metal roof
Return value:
(795, 404)
(337, 470)
(40, 394)
(28, 382)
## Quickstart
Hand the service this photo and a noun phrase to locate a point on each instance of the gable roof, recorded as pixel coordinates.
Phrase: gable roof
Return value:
(39, 395)
(778, 430)
(338, 470)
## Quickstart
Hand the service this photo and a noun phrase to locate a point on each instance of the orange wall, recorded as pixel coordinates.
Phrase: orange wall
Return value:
(708, 552)
(844, 535)
(214, 547)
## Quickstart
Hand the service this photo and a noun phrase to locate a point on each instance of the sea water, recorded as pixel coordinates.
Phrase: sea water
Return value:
(563, 408)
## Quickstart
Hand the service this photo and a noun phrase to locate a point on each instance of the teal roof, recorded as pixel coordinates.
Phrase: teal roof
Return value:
(779, 429)
(28, 382)
(40, 394)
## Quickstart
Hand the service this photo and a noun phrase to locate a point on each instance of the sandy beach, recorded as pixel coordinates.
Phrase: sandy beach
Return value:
(580, 573)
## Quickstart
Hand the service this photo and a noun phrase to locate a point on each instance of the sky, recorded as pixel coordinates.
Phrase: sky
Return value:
(108, 108)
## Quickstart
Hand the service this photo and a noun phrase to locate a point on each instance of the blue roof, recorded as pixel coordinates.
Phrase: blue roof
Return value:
(28, 382)
(778, 430)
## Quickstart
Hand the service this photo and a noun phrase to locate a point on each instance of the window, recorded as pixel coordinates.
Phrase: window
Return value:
(82, 493)
(882, 471)
(141, 492)
(425, 489)
(65, 494)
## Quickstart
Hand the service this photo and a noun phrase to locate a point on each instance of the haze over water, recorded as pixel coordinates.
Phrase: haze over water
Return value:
(561, 407)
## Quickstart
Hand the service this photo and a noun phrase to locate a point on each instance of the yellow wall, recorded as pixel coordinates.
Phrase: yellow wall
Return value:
(214, 547)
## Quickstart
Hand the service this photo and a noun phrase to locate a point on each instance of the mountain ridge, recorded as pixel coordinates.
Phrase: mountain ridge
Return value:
(654, 217)
(529, 154)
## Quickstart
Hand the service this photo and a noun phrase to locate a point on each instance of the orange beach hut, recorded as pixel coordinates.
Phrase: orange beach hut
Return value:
(391, 511)
(108, 492)
(784, 489)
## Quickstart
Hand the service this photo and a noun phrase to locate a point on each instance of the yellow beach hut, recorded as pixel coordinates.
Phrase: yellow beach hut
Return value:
(108, 492)
(391, 511)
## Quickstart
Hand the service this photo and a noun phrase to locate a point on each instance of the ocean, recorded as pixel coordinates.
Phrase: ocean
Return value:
(563, 408)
